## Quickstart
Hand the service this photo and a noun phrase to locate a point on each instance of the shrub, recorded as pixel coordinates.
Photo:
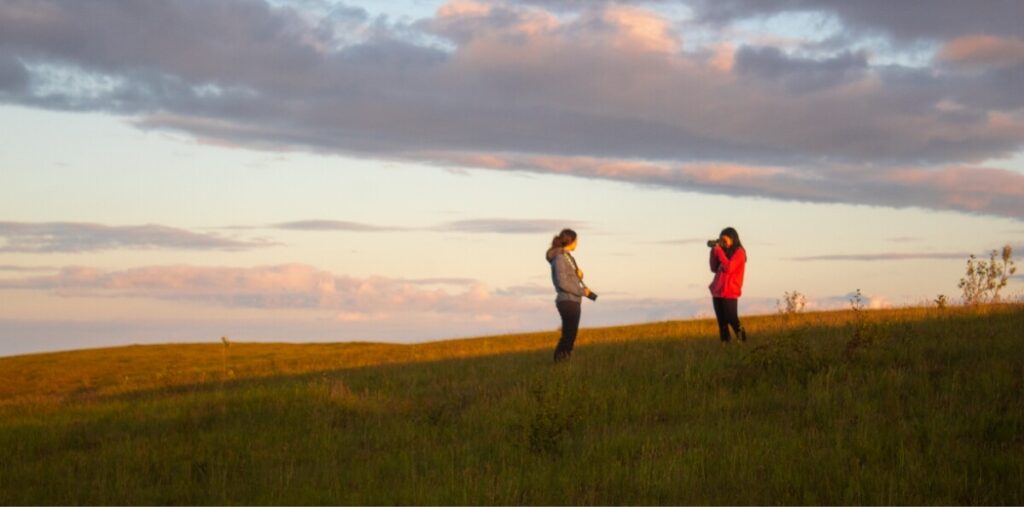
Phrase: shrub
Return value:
(792, 303)
(983, 280)
(861, 336)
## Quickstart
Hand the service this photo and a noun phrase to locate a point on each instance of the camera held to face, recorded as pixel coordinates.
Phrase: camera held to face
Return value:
(712, 243)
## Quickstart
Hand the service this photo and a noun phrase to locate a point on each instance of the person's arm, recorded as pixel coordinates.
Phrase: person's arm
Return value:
(566, 277)
(724, 263)
(714, 260)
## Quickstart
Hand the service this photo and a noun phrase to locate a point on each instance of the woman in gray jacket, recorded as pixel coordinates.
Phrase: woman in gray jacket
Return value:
(568, 280)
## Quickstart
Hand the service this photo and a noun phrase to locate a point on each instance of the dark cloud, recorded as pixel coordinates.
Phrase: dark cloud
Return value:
(966, 189)
(800, 75)
(13, 76)
(612, 83)
(199, 42)
(907, 20)
(904, 20)
(86, 237)
(995, 89)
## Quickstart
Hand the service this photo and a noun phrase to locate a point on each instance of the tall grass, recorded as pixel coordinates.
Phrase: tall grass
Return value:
(928, 408)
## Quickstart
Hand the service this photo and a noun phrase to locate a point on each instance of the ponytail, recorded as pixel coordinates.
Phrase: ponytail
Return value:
(563, 239)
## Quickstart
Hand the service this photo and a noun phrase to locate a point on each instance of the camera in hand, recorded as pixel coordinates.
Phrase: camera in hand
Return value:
(712, 243)
(592, 296)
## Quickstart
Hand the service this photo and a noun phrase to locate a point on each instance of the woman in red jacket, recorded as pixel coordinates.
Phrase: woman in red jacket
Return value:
(728, 260)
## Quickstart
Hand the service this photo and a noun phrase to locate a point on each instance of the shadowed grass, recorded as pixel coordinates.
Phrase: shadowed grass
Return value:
(926, 409)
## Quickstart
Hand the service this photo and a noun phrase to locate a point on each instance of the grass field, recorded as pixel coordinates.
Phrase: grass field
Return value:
(909, 406)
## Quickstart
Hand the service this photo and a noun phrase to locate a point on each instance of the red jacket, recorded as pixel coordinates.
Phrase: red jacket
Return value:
(728, 282)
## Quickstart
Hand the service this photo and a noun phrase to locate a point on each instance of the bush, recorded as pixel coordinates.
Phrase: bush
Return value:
(792, 303)
(983, 280)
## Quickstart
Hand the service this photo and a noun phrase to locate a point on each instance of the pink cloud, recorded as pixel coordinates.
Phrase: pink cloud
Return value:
(984, 50)
(723, 58)
(290, 286)
(463, 8)
(730, 173)
(976, 189)
(638, 29)
(962, 188)
(619, 27)
(721, 177)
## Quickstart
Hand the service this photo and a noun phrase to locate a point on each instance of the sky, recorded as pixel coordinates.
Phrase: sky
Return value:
(318, 170)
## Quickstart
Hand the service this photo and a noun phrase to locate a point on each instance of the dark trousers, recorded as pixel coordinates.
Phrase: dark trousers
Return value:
(570, 313)
(727, 313)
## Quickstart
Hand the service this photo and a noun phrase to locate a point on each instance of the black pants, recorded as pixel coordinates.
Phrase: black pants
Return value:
(726, 311)
(570, 313)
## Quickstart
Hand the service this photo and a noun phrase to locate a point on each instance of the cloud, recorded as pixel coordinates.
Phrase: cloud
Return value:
(477, 225)
(509, 226)
(800, 75)
(25, 269)
(984, 50)
(291, 286)
(616, 84)
(966, 189)
(472, 226)
(901, 21)
(333, 225)
(54, 237)
(889, 256)
(13, 76)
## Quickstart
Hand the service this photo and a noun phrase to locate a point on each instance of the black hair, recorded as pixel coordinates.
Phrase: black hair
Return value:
(563, 239)
(736, 243)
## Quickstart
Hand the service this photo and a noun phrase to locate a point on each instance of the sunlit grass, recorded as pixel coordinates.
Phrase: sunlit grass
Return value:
(927, 408)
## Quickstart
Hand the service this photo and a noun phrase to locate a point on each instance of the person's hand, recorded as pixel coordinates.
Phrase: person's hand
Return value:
(579, 273)
(586, 292)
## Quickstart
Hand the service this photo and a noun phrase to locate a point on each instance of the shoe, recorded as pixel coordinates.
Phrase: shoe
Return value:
(742, 334)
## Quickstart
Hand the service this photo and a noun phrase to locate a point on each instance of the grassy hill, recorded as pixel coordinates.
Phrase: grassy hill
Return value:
(910, 406)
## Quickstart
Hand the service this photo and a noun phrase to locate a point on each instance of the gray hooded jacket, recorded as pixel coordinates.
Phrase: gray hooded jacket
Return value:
(563, 275)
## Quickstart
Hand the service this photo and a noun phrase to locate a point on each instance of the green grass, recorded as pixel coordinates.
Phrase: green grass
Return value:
(923, 407)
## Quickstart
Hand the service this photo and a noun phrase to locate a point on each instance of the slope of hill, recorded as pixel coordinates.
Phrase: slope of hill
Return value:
(904, 406)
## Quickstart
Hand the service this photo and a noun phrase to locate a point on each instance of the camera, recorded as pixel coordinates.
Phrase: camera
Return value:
(592, 296)
(712, 243)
